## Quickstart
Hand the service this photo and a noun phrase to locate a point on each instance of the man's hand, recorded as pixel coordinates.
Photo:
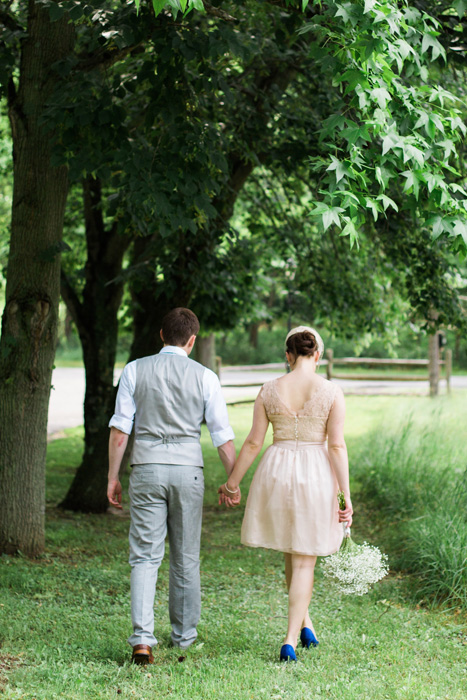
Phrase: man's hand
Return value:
(114, 493)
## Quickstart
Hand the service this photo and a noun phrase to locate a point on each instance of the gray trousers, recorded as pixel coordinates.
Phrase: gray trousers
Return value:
(165, 499)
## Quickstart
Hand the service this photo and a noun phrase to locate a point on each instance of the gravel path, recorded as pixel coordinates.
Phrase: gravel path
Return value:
(67, 396)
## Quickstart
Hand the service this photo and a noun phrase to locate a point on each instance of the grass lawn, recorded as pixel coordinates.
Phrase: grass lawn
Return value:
(64, 617)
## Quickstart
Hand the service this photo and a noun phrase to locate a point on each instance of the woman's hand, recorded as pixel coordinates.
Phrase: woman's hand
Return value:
(345, 516)
(229, 499)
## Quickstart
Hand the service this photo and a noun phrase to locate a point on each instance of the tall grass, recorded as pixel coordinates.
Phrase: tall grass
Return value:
(415, 482)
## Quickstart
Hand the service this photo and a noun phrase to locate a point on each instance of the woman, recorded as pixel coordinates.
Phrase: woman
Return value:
(292, 504)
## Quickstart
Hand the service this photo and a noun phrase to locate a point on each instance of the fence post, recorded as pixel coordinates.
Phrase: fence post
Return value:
(329, 357)
(448, 360)
(433, 363)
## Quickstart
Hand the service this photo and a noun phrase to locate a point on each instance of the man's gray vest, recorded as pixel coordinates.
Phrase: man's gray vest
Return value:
(169, 410)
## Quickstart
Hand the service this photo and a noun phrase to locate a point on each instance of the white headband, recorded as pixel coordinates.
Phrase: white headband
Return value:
(301, 329)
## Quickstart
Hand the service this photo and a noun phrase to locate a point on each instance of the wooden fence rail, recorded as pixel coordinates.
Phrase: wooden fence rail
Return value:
(432, 376)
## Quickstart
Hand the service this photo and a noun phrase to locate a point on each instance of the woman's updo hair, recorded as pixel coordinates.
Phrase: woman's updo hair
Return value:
(303, 343)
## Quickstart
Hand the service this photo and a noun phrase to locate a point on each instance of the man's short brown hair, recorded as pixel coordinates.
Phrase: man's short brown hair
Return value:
(178, 326)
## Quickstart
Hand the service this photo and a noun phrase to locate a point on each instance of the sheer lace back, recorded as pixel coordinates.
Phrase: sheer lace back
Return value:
(307, 424)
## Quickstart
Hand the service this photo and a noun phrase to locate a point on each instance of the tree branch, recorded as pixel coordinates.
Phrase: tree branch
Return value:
(106, 57)
(72, 301)
(218, 12)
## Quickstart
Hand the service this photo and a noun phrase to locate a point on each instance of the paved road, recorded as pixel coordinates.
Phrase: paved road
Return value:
(67, 396)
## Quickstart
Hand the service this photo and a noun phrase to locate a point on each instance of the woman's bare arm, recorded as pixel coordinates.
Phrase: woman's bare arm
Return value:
(338, 452)
(250, 449)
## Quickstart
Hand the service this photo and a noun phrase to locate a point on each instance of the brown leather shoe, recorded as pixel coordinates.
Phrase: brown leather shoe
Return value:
(142, 655)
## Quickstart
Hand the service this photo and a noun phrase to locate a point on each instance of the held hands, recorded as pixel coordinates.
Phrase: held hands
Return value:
(114, 493)
(227, 497)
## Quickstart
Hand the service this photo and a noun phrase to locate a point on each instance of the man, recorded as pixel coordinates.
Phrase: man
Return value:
(166, 396)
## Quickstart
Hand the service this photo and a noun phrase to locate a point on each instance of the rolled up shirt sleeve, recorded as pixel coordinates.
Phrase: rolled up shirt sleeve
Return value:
(215, 410)
(125, 407)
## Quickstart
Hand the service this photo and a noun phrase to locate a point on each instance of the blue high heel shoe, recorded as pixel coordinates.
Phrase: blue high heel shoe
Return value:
(287, 653)
(307, 638)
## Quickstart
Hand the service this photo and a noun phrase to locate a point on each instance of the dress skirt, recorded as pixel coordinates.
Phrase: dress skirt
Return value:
(292, 504)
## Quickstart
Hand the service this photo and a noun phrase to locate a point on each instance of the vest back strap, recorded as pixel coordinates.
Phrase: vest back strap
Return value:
(165, 440)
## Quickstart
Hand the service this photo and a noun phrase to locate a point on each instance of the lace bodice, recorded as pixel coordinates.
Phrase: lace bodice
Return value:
(309, 423)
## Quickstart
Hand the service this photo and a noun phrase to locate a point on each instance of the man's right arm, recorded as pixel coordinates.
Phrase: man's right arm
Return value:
(227, 456)
(117, 445)
(217, 421)
(121, 425)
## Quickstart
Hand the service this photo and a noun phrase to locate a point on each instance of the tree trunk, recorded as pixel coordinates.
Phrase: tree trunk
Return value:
(205, 351)
(253, 334)
(96, 318)
(29, 324)
(457, 347)
(149, 307)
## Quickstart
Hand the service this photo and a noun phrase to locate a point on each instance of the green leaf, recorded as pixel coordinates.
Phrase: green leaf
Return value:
(411, 182)
(437, 224)
(371, 204)
(356, 133)
(369, 5)
(351, 231)
(382, 176)
(430, 42)
(158, 6)
(422, 120)
(455, 187)
(56, 11)
(339, 167)
(331, 217)
(387, 202)
(404, 48)
(458, 123)
(347, 12)
(460, 6)
(448, 146)
(434, 180)
(76, 12)
(137, 3)
(460, 229)
(390, 141)
(413, 153)
(382, 96)
(330, 126)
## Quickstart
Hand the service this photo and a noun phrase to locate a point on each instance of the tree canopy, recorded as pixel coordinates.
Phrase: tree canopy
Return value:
(161, 118)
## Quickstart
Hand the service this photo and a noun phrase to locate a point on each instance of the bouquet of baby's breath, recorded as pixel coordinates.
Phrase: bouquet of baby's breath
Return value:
(355, 566)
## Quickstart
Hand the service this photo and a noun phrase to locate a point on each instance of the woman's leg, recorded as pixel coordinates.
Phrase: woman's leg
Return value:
(299, 572)
(306, 622)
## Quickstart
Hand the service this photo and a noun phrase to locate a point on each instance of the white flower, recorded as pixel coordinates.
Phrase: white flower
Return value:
(354, 568)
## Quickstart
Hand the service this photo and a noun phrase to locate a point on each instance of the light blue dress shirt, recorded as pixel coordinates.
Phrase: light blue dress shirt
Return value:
(215, 409)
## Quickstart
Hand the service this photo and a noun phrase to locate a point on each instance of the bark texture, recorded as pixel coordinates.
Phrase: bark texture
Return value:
(29, 322)
(205, 351)
(96, 318)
